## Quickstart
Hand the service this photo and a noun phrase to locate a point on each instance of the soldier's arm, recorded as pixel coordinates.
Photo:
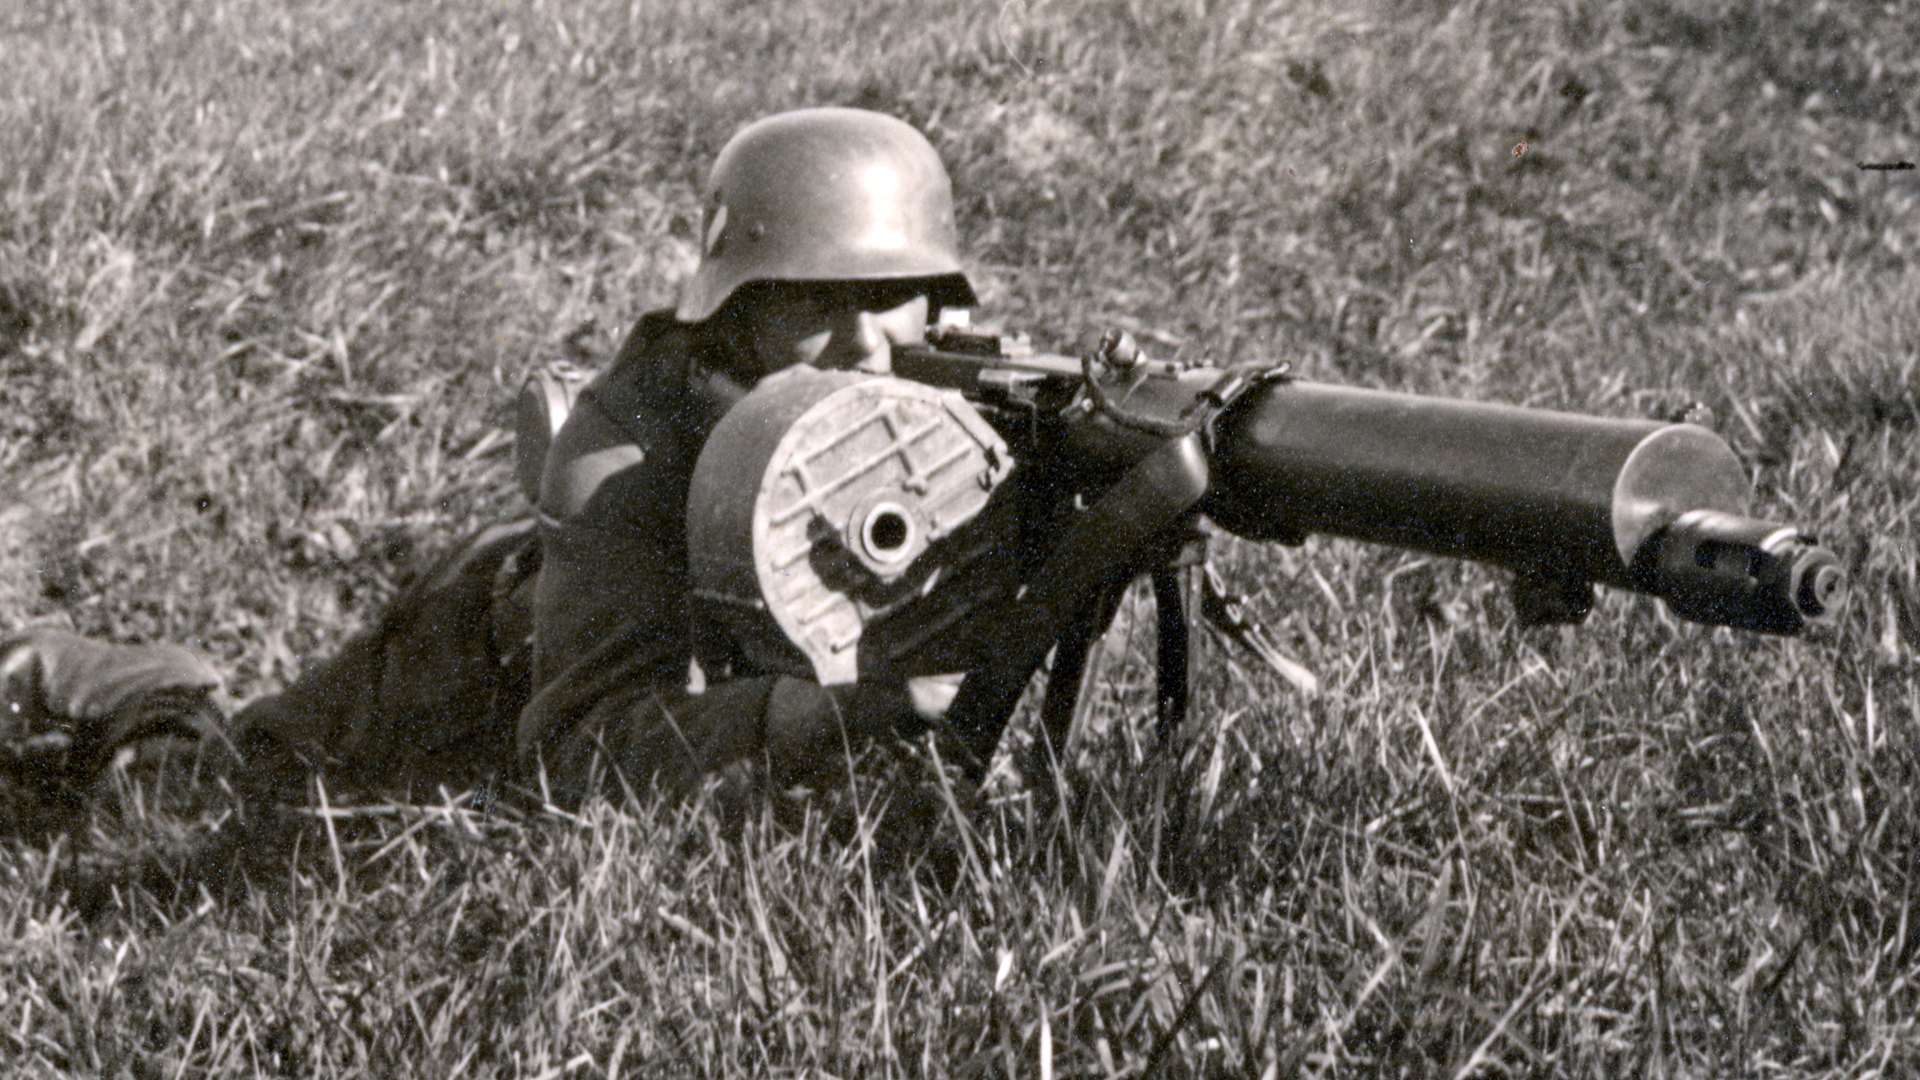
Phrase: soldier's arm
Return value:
(610, 604)
(613, 643)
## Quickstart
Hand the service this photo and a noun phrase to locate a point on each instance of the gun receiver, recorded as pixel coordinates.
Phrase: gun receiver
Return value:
(1564, 500)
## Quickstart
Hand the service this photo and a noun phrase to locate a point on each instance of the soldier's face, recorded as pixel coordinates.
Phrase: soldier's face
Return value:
(843, 327)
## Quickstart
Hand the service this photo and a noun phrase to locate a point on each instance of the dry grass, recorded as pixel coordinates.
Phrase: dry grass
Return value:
(268, 271)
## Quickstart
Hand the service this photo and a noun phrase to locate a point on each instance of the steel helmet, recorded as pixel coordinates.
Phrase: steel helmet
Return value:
(826, 194)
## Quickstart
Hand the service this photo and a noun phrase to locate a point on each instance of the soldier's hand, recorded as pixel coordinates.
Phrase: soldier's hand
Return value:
(810, 727)
(68, 703)
(932, 695)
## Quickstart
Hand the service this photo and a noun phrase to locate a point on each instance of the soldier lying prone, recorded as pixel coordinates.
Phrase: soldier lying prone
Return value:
(808, 507)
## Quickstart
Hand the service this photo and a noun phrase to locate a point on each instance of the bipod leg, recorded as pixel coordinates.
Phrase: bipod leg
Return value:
(1179, 595)
(1229, 615)
(1074, 668)
(1174, 607)
(1174, 638)
(1179, 600)
(1098, 553)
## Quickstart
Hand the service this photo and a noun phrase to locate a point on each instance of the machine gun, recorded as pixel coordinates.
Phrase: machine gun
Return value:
(986, 509)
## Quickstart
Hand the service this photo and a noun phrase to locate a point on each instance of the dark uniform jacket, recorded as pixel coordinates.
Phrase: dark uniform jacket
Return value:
(550, 650)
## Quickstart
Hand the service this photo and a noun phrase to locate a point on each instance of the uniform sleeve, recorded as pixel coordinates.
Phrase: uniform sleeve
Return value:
(609, 608)
(613, 641)
(426, 695)
(788, 731)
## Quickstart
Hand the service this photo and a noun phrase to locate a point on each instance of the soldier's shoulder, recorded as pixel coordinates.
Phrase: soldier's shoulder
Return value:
(657, 341)
(650, 370)
(628, 421)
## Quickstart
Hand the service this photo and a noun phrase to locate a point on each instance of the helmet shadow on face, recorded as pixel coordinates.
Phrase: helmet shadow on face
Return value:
(848, 326)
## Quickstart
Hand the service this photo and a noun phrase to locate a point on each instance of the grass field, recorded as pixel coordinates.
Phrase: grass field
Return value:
(270, 271)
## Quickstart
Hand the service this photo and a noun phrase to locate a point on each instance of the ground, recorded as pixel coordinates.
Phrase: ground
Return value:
(270, 273)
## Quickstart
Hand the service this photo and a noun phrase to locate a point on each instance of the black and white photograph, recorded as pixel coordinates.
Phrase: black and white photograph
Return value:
(597, 539)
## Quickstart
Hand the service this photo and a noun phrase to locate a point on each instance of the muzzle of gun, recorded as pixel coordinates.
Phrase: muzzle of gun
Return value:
(1730, 570)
